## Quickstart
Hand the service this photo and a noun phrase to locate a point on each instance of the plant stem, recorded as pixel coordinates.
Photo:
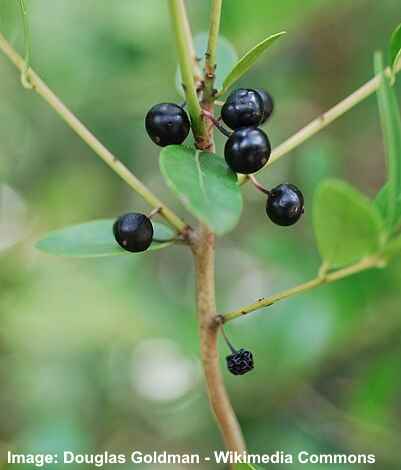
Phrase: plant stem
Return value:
(44, 91)
(322, 278)
(183, 39)
(202, 244)
(328, 117)
(210, 62)
(209, 329)
(195, 64)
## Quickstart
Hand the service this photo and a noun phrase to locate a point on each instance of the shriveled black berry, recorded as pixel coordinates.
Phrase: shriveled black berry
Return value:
(243, 108)
(133, 232)
(285, 204)
(240, 362)
(247, 150)
(167, 124)
(268, 104)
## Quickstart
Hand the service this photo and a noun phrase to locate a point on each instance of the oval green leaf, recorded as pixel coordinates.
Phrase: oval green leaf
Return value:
(391, 126)
(395, 48)
(226, 58)
(347, 226)
(247, 61)
(204, 184)
(95, 239)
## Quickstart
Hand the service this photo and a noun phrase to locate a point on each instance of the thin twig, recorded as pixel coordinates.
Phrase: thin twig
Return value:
(183, 39)
(195, 61)
(322, 278)
(44, 91)
(327, 118)
(211, 53)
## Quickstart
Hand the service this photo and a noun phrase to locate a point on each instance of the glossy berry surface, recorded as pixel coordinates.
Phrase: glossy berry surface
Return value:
(268, 104)
(247, 150)
(240, 362)
(285, 204)
(167, 124)
(133, 232)
(243, 108)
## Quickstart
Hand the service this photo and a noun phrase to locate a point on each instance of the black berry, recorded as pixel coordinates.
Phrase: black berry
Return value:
(167, 124)
(133, 232)
(285, 204)
(243, 108)
(240, 362)
(247, 150)
(268, 104)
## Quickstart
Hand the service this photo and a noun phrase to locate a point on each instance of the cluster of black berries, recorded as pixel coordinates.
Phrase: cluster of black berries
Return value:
(248, 149)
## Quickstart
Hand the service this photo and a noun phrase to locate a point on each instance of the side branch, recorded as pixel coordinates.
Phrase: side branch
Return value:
(321, 279)
(44, 91)
(183, 40)
(328, 117)
(211, 59)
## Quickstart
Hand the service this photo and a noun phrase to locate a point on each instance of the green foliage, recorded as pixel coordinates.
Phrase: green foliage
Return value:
(248, 60)
(388, 200)
(204, 184)
(95, 239)
(347, 226)
(395, 48)
(226, 58)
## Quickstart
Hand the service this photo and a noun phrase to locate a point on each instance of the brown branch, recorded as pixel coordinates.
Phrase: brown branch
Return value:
(209, 329)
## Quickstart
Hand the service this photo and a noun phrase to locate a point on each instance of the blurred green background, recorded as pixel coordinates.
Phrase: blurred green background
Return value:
(103, 354)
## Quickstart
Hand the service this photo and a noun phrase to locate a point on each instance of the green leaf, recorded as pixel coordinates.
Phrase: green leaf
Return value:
(247, 61)
(347, 226)
(391, 126)
(95, 239)
(395, 48)
(204, 184)
(226, 58)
